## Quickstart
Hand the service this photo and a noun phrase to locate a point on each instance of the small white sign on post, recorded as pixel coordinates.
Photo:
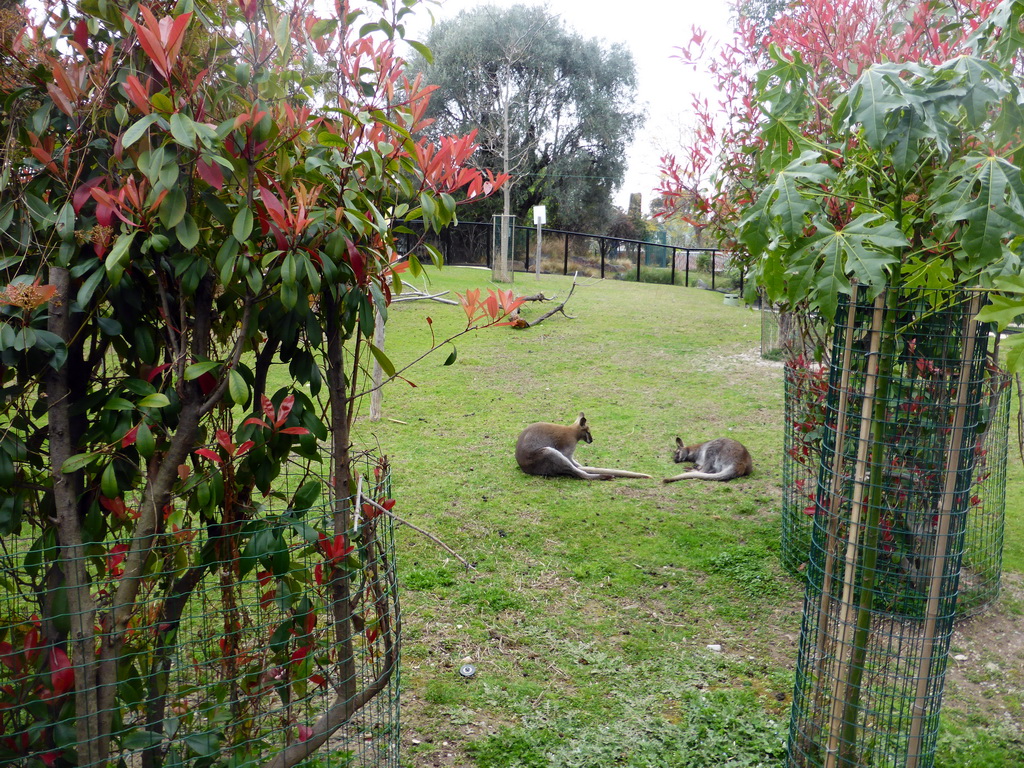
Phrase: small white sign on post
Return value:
(540, 216)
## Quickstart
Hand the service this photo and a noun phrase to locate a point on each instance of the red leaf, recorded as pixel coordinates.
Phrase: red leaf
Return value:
(62, 676)
(156, 372)
(244, 448)
(206, 453)
(358, 262)
(82, 33)
(294, 431)
(268, 407)
(224, 440)
(274, 207)
(84, 193)
(9, 658)
(207, 383)
(210, 172)
(286, 408)
(257, 421)
(130, 436)
(150, 42)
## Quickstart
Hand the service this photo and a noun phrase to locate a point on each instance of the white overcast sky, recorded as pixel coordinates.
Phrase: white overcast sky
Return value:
(652, 29)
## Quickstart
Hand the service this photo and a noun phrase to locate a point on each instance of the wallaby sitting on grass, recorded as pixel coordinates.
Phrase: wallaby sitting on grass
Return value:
(720, 459)
(546, 449)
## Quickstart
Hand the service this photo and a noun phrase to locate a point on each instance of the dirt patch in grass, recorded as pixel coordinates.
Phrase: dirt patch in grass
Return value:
(985, 677)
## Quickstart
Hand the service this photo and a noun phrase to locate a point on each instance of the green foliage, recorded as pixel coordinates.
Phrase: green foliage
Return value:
(567, 102)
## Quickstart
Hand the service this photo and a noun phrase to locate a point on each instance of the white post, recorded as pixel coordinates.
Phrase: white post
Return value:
(540, 217)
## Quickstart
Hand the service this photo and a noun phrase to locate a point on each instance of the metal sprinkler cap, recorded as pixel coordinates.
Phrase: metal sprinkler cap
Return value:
(467, 670)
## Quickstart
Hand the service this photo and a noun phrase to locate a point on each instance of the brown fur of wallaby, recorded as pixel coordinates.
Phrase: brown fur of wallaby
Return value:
(719, 459)
(547, 449)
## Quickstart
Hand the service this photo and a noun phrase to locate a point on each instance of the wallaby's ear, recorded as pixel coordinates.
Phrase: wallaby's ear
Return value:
(581, 420)
(679, 442)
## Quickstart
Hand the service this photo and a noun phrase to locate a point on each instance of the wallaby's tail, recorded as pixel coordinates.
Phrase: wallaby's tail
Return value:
(614, 472)
(725, 474)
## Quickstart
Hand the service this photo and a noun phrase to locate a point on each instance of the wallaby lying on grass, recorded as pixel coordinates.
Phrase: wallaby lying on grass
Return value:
(720, 459)
(546, 449)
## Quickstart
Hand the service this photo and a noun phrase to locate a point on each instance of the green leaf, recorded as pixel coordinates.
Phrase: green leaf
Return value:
(452, 357)
(157, 400)
(137, 129)
(379, 301)
(187, 232)
(383, 360)
(145, 443)
(238, 390)
(203, 744)
(65, 223)
(328, 139)
(306, 496)
(118, 404)
(1002, 310)
(117, 259)
(422, 50)
(196, 370)
(987, 193)
(138, 740)
(1014, 347)
(108, 482)
(183, 130)
(39, 210)
(242, 226)
(79, 462)
(172, 209)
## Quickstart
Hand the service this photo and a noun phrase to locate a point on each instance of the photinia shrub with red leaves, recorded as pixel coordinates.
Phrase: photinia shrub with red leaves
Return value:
(194, 195)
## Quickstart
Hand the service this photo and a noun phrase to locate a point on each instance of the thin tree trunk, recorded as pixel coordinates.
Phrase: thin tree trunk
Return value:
(81, 608)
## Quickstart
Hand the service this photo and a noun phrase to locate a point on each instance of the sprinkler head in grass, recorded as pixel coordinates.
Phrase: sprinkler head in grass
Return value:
(467, 670)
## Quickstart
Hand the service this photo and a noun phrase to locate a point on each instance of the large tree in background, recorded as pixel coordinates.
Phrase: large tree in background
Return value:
(554, 108)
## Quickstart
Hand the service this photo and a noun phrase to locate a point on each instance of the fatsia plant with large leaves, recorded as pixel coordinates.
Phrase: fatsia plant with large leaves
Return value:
(920, 185)
(192, 194)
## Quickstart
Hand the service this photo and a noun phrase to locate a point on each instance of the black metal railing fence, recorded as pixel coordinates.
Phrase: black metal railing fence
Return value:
(564, 252)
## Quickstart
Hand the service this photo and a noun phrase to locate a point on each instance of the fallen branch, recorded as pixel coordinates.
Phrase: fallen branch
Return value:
(538, 297)
(361, 499)
(522, 323)
(409, 293)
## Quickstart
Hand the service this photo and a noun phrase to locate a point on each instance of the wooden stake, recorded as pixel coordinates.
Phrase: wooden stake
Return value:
(953, 459)
(853, 531)
(831, 541)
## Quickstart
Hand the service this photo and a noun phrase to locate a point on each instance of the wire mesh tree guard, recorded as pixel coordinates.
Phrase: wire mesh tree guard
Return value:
(899, 449)
(806, 415)
(234, 652)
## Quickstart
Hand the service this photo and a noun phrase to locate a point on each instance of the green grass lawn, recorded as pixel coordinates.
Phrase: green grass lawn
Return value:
(592, 604)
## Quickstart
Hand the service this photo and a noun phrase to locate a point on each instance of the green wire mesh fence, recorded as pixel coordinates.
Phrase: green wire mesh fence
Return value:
(806, 413)
(253, 641)
(899, 450)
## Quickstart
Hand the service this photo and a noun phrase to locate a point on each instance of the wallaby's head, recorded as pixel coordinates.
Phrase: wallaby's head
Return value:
(682, 452)
(583, 429)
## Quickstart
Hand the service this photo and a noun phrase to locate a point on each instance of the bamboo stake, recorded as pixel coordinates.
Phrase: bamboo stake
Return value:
(853, 529)
(953, 460)
(831, 540)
